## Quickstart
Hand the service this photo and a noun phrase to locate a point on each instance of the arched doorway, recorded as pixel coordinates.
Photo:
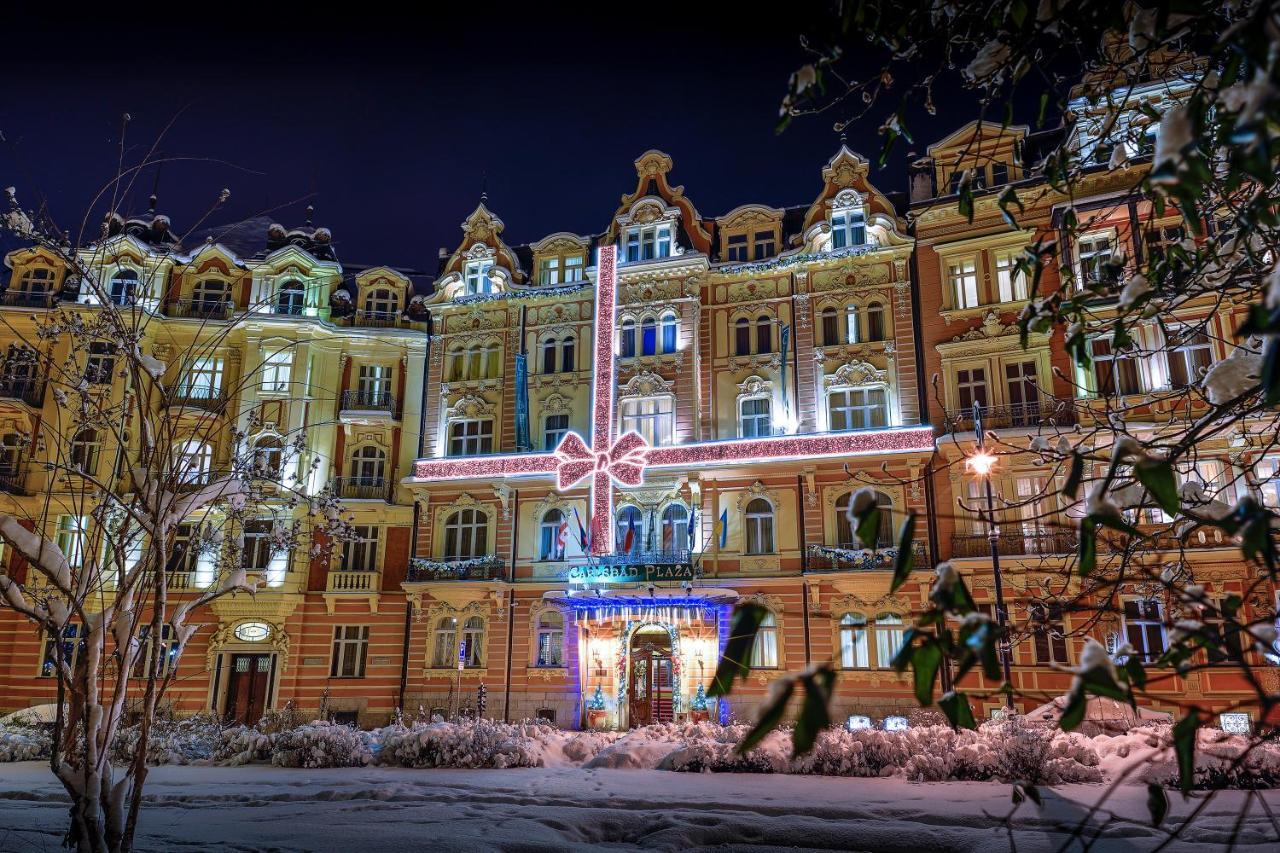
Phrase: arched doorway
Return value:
(650, 683)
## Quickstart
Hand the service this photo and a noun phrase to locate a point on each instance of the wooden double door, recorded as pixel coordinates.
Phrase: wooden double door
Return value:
(650, 683)
(248, 682)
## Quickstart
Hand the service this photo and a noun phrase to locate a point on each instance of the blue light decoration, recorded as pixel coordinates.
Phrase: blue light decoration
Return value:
(857, 722)
(722, 710)
(596, 702)
(895, 724)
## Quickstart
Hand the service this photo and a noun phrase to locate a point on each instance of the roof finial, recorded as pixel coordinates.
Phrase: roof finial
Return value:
(310, 210)
(843, 143)
(484, 186)
(153, 201)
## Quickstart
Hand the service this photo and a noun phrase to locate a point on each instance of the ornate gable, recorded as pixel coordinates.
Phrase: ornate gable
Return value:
(652, 168)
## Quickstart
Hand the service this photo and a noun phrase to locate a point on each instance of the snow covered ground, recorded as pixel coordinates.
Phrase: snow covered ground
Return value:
(259, 807)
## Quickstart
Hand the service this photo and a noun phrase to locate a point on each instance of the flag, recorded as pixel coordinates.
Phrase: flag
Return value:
(630, 538)
(584, 539)
(786, 406)
(693, 526)
(561, 532)
(522, 403)
(724, 527)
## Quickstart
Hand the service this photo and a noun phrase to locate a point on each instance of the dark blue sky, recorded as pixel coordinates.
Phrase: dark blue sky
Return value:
(390, 126)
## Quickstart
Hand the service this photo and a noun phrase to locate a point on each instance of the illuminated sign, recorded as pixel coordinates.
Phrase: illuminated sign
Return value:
(630, 573)
(1235, 723)
(252, 632)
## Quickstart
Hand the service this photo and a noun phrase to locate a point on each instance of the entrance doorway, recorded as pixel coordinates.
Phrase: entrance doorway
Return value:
(247, 687)
(650, 682)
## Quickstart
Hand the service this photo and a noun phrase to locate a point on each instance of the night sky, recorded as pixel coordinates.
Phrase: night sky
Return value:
(390, 128)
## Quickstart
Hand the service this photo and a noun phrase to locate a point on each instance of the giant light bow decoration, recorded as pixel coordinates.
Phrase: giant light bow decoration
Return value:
(606, 461)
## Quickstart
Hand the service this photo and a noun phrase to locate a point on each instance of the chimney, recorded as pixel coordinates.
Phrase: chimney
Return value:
(919, 178)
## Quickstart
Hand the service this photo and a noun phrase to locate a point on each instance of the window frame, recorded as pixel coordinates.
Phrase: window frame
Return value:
(348, 649)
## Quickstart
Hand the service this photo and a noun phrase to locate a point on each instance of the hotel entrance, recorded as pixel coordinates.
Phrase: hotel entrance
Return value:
(651, 683)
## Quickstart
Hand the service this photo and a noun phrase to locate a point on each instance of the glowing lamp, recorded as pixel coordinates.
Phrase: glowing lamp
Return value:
(980, 463)
(857, 722)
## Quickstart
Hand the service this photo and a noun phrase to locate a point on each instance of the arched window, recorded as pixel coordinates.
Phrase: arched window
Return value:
(875, 322)
(550, 362)
(473, 643)
(268, 457)
(550, 638)
(889, 630)
(492, 367)
(630, 530)
(851, 324)
(764, 652)
(11, 447)
(475, 362)
(853, 641)
(194, 462)
(568, 358)
(368, 466)
(742, 337)
(466, 535)
(648, 336)
(764, 334)
(554, 531)
(846, 537)
(627, 339)
(290, 298)
(85, 447)
(381, 304)
(759, 527)
(124, 286)
(669, 337)
(831, 327)
(675, 529)
(446, 643)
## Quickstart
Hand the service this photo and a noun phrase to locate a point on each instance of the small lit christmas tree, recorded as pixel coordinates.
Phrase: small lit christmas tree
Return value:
(596, 702)
(699, 699)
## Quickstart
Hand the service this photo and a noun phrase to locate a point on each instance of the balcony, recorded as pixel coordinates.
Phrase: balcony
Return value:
(13, 479)
(372, 408)
(27, 299)
(29, 390)
(853, 557)
(363, 488)
(460, 569)
(180, 581)
(202, 309)
(379, 320)
(1037, 543)
(358, 583)
(1046, 412)
(205, 399)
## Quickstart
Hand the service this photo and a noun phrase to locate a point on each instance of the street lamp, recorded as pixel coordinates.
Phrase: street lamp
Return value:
(981, 464)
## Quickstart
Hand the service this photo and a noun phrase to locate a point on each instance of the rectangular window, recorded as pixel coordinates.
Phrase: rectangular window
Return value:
(550, 645)
(765, 245)
(554, 430)
(755, 418)
(168, 652)
(1050, 635)
(1161, 238)
(470, 437)
(1225, 632)
(68, 649)
(830, 327)
(1023, 393)
(374, 382)
(971, 389)
(1144, 628)
(476, 277)
(854, 651)
(999, 173)
(1190, 355)
(647, 242)
(360, 554)
(1114, 373)
(573, 266)
(277, 369)
(70, 538)
(652, 417)
(1093, 253)
(736, 247)
(258, 546)
(350, 649)
(549, 271)
(1010, 282)
(857, 408)
(963, 277)
(1266, 476)
(848, 228)
(100, 367)
(203, 379)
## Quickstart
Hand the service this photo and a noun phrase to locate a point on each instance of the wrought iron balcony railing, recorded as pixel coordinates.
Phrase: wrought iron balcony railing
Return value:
(661, 557)
(202, 309)
(208, 399)
(853, 557)
(1049, 412)
(459, 569)
(374, 401)
(379, 319)
(362, 488)
(1034, 543)
(27, 299)
(29, 390)
(13, 479)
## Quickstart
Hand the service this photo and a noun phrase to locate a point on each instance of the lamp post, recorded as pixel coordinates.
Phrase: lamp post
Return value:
(981, 464)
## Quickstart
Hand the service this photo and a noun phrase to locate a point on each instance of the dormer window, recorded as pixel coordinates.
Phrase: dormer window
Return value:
(381, 304)
(848, 227)
(476, 277)
(647, 242)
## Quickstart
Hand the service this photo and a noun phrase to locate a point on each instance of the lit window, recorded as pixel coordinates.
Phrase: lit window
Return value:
(573, 269)
(473, 643)
(193, 462)
(1093, 253)
(854, 652)
(446, 643)
(848, 227)
(70, 538)
(554, 532)
(554, 429)
(549, 271)
(648, 336)
(963, 277)
(203, 379)
(470, 437)
(890, 632)
(476, 278)
(647, 242)
(851, 324)
(764, 651)
(1189, 358)
(350, 650)
(652, 417)
(669, 333)
(373, 386)
(550, 639)
(1144, 628)
(754, 418)
(1114, 373)
(1011, 284)
(630, 532)
(675, 529)
(168, 652)
(277, 369)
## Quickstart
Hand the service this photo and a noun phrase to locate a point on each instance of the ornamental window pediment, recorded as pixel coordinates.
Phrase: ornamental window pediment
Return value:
(471, 406)
(855, 374)
(646, 383)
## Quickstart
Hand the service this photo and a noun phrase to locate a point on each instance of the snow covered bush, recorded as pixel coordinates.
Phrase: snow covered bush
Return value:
(183, 741)
(467, 743)
(242, 745)
(19, 742)
(321, 744)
